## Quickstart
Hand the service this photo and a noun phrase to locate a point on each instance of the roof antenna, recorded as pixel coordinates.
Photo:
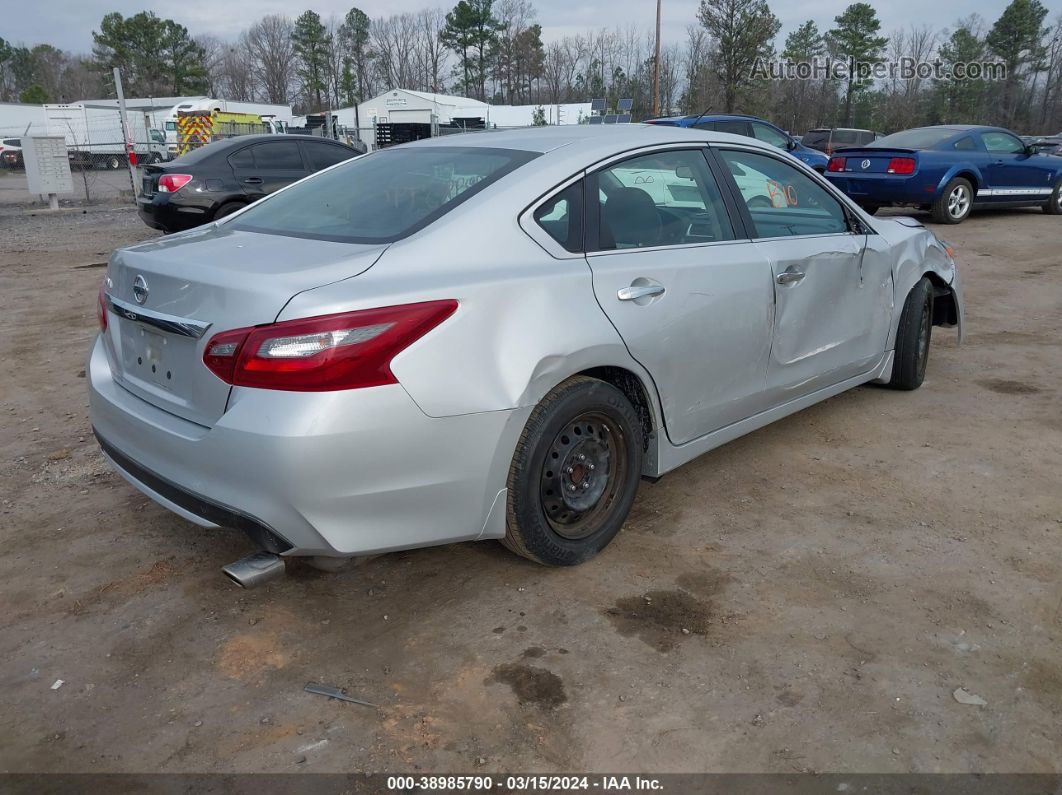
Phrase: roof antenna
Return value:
(705, 113)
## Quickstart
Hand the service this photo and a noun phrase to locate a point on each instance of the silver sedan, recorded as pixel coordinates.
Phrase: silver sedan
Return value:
(496, 336)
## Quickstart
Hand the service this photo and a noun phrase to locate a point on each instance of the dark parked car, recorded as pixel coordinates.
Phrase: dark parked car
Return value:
(11, 153)
(1049, 145)
(750, 127)
(829, 140)
(225, 176)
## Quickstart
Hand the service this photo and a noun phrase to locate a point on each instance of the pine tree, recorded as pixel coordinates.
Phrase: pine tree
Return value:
(856, 41)
(311, 42)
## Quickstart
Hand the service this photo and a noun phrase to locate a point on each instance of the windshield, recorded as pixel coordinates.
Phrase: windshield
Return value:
(921, 138)
(382, 197)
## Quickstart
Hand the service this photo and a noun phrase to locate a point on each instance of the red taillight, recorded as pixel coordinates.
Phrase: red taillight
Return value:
(101, 309)
(171, 183)
(901, 165)
(350, 350)
(836, 164)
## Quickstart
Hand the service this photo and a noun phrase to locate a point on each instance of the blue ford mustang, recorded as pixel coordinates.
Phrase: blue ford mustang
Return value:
(949, 170)
(750, 127)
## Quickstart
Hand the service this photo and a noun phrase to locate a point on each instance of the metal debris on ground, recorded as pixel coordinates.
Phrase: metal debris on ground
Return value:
(57, 684)
(335, 692)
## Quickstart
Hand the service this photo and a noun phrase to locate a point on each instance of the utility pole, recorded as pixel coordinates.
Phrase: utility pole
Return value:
(130, 150)
(656, 65)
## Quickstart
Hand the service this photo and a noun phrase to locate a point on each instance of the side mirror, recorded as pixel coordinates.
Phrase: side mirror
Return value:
(791, 145)
(1030, 149)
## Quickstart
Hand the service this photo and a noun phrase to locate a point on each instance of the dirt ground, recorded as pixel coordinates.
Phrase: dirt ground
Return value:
(806, 598)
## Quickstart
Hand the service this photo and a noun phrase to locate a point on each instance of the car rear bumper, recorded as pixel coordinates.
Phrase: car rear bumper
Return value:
(886, 189)
(328, 473)
(159, 213)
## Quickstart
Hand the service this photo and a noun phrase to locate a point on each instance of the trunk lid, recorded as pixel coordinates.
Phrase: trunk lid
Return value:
(197, 284)
(868, 160)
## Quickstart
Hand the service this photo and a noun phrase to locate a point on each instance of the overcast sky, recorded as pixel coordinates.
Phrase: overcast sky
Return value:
(68, 24)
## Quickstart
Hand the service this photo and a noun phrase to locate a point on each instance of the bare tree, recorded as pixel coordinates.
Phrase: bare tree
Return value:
(432, 54)
(271, 51)
(394, 41)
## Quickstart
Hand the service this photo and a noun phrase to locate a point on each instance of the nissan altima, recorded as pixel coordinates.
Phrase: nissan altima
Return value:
(496, 336)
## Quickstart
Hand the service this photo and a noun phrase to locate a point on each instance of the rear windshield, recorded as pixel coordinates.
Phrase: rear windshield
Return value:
(382, 197)
(922, 138)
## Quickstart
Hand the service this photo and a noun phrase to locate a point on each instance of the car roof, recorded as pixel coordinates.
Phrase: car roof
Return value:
(596, 138)
(238, 140)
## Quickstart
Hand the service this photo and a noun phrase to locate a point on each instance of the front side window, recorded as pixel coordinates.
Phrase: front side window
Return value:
(782, 200)
(999, 143)
(769, 135)
(381, 197)
(562, 217)
(325, 155)
(660, 199)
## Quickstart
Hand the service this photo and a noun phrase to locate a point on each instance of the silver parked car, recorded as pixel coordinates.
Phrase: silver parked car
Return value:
(496, 336)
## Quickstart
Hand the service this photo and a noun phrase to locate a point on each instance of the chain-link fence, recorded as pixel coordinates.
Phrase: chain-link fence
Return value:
(99, 155)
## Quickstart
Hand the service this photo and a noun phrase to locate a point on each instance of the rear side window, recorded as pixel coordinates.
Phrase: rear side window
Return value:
(735, 127)
(398, 192)
(325, 155)
(965, 144)
(662, 199)
(815, 138)
(242, 159)
(562, 217)
(281, 155)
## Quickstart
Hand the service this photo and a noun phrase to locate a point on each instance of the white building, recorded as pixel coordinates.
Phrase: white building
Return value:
(402, 105)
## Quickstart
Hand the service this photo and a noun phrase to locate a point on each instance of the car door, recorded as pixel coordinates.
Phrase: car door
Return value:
(1013, 176)
(691, 297)
(265, 167)
(832, 305)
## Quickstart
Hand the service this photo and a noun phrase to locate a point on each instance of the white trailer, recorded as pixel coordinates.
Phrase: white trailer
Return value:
(95, 136)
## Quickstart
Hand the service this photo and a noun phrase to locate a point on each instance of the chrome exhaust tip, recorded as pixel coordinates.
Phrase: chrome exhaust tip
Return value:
(253, 570)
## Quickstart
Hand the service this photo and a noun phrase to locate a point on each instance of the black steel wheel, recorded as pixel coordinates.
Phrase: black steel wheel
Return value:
(582, 474)
(574, 474)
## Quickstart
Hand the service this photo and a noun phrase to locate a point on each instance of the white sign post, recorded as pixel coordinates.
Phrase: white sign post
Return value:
(47, 167)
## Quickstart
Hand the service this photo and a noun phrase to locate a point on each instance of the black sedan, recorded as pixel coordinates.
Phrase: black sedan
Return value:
(225, 176)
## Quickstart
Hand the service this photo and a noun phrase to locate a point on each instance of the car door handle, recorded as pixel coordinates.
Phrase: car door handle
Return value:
(633, 293)
(253, 181)
(790, 276)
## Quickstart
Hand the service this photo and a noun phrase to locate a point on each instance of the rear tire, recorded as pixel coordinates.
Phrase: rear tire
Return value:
(575, 473)
(228, 208)
(954, 202)
(113, 162)
(912, 338)
(1053, 206)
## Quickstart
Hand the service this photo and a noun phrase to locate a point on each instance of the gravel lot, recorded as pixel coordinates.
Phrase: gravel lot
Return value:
(840, 574)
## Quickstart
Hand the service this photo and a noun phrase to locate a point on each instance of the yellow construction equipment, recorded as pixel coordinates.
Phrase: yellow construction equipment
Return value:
(196, 128)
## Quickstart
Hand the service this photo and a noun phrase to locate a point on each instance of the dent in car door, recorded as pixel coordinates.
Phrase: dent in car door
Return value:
(693, 305)
(833, 302)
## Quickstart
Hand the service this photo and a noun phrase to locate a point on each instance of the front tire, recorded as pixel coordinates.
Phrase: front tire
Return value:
(1054, 204)
(954, 202)
(575, 473)
(912, 338)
